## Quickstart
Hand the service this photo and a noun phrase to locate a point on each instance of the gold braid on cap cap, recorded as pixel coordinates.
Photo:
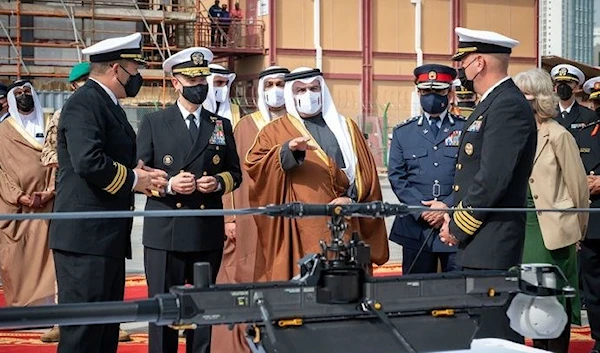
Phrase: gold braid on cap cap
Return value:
(193, 71)
(595, 91)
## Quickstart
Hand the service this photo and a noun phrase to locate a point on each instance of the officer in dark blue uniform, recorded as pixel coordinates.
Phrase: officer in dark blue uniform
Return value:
(571, 115)
(421, 171)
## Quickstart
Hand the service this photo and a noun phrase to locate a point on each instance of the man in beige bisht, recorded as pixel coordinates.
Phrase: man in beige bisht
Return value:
(311, 155)
(26, 264)
(242, 261)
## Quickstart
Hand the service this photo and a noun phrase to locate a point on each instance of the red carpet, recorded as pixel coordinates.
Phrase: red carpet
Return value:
(26, 342)
(135, 288)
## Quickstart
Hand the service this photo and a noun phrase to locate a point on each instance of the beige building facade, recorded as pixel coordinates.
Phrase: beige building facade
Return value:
(368, 48)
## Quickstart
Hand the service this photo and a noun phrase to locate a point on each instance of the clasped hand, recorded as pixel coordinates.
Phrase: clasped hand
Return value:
(445, 236)
(207, 184)
(149, 179)
(186, 183)
(183, 183)
(36, 200)
(434, 218)
(594, 184)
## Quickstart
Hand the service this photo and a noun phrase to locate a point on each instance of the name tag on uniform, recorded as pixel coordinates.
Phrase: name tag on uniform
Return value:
(584, 150)
(577, 126)
(453, 139)
(39, 134)
(475, 126)
(218, 135)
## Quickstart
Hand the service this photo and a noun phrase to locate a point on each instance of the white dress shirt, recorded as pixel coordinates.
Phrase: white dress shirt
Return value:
(567, 109)
(185, 113)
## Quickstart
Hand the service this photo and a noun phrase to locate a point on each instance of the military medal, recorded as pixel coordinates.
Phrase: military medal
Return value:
(218, 134)
(216, 159)
(469, 149)
(453, 140)
(167, 159)
(475, 126)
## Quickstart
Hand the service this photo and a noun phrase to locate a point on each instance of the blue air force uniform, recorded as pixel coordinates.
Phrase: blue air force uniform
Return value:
(421, 168)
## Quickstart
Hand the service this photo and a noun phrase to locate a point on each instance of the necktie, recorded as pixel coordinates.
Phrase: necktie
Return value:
(433, 120)
(193, 128)
(564, 114)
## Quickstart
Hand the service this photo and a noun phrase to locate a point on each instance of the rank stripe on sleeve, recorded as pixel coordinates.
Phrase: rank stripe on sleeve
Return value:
(465, 220)
(119, 179)
(228, 180)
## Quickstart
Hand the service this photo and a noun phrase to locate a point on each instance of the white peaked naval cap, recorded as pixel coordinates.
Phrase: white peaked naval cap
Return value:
(485, 42)
(190, 62)
(118, 48)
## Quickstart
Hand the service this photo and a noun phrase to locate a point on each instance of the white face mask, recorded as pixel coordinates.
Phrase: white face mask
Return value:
(309, 103)
(221, 93)
(274, 97)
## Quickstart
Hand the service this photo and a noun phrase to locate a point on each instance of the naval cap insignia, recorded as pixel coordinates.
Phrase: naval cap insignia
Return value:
(197, 58)
(563, 71)
(597, 86)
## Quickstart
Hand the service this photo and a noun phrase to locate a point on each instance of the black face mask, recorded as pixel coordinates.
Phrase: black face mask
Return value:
(25, 103)
(464, 81)
(195, 94)
(564, 91)
(133, 85)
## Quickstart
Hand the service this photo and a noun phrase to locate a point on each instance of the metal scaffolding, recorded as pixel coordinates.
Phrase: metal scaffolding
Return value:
(43, 39)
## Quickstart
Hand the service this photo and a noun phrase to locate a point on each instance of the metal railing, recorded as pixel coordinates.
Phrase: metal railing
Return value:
(156, 5)
(240, 34)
